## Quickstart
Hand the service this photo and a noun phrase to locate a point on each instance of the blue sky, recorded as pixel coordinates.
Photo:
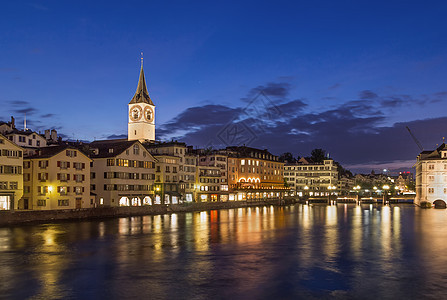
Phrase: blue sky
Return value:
(346, 76)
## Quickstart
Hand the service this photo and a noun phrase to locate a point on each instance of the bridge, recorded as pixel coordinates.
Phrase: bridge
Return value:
(358, 200)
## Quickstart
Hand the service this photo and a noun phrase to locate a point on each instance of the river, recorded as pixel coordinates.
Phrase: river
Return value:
(292, 252)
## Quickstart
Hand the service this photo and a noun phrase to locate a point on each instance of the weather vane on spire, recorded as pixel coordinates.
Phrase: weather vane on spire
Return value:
(141, 58)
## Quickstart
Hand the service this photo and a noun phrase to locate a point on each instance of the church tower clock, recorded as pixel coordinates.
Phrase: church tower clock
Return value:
(141, 124)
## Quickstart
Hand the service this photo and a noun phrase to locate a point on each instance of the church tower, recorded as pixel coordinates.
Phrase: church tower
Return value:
(141, 124)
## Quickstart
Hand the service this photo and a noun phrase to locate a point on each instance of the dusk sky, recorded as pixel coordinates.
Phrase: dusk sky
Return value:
(290, 76)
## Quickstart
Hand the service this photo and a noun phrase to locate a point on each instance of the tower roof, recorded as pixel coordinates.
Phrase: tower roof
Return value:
(141, 95)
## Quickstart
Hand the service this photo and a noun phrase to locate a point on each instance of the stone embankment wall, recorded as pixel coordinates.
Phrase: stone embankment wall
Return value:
(20, 217)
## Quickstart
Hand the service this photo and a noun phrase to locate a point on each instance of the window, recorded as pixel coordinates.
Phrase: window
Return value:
(41, 202)
(63, 202)
(136, 149)
(431, 167)
(431, 178)
(63, 164)
(110, 162)
(62, 190)
(242, 162)
(431, 190)
(3, 185)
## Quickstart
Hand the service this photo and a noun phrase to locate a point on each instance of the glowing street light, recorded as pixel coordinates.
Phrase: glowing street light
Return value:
(386, 187)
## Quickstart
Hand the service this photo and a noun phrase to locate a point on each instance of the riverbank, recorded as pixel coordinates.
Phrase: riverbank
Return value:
(23, 217)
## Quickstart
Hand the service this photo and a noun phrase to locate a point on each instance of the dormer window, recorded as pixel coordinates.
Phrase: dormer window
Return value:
(111, 150)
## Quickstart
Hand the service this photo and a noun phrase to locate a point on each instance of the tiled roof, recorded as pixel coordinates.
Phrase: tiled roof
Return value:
(46, 152)
(117, 146)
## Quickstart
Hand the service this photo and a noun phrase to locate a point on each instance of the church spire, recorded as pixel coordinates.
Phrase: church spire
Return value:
(141, 94)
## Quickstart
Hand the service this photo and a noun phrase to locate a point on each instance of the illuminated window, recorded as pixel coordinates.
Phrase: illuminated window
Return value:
(243, 162)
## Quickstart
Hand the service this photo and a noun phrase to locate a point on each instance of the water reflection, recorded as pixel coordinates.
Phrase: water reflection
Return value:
(304, 251)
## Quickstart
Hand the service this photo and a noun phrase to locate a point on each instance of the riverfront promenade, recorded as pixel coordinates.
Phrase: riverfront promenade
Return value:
(22, 216)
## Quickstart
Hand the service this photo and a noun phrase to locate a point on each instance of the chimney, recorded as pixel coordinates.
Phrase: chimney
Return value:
(13, 122)
(54, 135)
(47, 134)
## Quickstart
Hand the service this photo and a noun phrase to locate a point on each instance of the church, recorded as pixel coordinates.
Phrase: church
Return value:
(141, 125)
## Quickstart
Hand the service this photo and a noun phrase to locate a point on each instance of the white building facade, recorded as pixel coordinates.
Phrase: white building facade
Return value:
(431, 177)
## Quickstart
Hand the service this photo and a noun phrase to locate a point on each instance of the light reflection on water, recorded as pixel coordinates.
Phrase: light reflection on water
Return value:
(301, 251)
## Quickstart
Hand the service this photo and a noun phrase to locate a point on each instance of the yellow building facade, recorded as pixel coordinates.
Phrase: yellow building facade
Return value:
(11, 178)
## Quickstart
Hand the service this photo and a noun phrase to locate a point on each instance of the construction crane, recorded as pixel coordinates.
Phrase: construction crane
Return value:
(415, 139)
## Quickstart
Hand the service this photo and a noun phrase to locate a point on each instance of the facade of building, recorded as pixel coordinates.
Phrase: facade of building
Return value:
(431, 176)
(11, 174)
(141, 125)
(312, 179)
(170, 183)
(254, 174)
(209, 184)
(190, 175)
(56, 177)
(217, 159)
(122, 173)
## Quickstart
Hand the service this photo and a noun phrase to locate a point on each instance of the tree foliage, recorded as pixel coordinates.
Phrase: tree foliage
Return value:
(318, 155)
(287, 157)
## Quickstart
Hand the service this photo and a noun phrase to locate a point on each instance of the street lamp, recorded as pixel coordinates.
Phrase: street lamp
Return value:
(386, 188)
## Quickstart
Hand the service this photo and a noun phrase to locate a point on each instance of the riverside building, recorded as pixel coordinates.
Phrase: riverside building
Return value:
(307, 178)
(56, 177)
(174, 178)
(11, 177)
(431, 176)
(123, 173)
(254, 174)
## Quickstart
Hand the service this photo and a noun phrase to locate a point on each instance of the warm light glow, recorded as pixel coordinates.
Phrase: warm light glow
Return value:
(306, 187)
(50, 188)
(375, 188)
(386, 187)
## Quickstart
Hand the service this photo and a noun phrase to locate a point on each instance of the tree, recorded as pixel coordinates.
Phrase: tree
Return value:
(342, 171)
(318, 155)
(287, 157)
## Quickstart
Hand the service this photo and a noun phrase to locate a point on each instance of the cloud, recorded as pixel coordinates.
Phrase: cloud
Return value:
(353, 132)
(270, 89)
(26, 110)
(367, 94)
(198, 118)
(47, 116)
(117, 136)
(335, 86)
(18, 102)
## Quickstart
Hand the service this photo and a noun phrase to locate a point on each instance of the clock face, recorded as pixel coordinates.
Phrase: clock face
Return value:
(148, 113)
(135, 113)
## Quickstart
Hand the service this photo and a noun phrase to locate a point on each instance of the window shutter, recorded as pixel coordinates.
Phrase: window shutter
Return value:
(68, 189)
(68, 176)
(83, 177)
(58, 176)
(83, 189)
(68, 164)
(83, 165)
(39, 176)
(58, 164)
